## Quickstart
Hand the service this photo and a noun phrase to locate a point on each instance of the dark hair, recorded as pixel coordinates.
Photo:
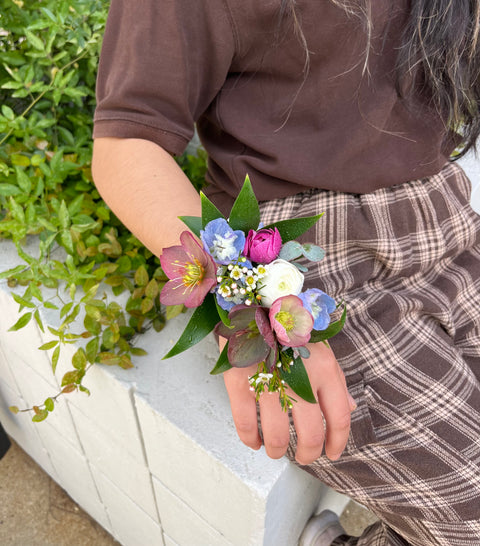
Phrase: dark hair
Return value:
(440, 50)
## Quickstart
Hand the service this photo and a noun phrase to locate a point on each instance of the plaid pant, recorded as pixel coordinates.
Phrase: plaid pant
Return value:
(407, 262)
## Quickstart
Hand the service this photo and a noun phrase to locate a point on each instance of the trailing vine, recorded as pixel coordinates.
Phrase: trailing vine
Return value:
(48, 57)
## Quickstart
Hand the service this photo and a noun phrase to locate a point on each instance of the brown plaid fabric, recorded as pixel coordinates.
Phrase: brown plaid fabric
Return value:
(407, 262)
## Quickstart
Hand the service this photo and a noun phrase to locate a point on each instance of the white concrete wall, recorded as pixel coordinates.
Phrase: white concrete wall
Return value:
(152, 454)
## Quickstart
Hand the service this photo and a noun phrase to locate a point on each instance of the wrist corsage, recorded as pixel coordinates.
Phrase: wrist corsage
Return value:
(245, 283)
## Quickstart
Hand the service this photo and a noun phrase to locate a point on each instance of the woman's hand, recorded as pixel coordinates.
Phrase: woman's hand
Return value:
(334, 405)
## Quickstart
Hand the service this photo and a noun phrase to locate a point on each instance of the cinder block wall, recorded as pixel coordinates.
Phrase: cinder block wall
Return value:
(153, 454)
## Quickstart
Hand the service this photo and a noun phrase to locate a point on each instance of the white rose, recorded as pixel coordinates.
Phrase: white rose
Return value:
(282, 279)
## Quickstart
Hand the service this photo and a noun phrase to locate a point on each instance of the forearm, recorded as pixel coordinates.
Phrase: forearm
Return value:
(145, 188)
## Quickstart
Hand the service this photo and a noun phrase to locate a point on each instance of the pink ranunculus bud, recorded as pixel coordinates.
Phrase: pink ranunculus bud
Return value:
(262, 246)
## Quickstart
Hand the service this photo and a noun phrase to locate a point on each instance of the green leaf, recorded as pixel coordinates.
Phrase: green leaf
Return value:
(332, 330)
(141, 276)
(23, 180)
(79, 359)
(293, 228)
(245, 213)
(40, 416)
(35, 41)
(137, 351)
(298, 380)
(8, 112)
(223, 314)
(63, 215)
(70, 377)
(91, 349)
(172, 311)
(38, 320)
(56, 354)
(12, 272)
(23, 302)
(49, 404)
(48, 345)
(194, 223)
(92, 325)
(9, 189)
(14, 409)
(209, 210)
(21, 322)
(222, 364)
(151, 290)
(202, 322)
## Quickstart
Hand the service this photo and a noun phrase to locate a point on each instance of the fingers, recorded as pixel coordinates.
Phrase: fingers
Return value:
(333, 399)
(308, 421)
(242, 403)
(275, 425)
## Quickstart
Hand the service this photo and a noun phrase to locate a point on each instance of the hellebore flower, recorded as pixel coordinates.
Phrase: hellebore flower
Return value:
(320, 306)
(262, 246)
(291, 321)
(250, 339)
(281, 279)
(221, 241)
(191, 271)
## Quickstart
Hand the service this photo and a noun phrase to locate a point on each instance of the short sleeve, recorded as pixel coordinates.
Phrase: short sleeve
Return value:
(162, 64)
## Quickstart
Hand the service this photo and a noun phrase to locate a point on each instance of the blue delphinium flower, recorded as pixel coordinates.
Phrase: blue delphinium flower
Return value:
(320, 306)
(221, 241)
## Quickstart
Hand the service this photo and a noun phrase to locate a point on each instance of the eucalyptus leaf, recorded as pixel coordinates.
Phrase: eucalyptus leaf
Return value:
(291, 250)
(313, 252)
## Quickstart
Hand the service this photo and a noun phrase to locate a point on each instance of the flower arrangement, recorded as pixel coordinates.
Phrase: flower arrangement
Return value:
(245, 283)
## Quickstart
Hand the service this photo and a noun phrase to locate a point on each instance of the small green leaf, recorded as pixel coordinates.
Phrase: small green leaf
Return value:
(70, 377)
(245, 213)
(49, 404)
(209, 210)
(298, 381)
(141, 276)
(91, 349)
(223, 314)
(222, 364)
(21, 322)
(151, 290)
(12, 272)
(40, 416)
(137, 351)
(56, 354)
(23, 302)
(194, 223)
(35, 41)
(293, 228)
(49, 345)
(172, 311)
(38, 320)
(79, 360)
(63, 215)
(202, 322)
(8, 112)
(14, 409)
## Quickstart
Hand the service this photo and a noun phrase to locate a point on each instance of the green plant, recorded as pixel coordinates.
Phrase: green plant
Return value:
(48, 57)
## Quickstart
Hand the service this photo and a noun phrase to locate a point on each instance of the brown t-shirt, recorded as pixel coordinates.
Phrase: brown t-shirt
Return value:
(231, 68)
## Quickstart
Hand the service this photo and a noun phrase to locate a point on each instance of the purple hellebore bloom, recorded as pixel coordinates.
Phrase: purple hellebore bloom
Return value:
(221, 241)
(320, 306)
(250, 339)
(191, 271)
(291, 321)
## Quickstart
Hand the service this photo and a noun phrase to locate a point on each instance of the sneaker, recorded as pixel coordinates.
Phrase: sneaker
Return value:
(321, 530)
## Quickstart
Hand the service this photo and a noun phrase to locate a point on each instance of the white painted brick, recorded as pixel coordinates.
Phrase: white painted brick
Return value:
(21, 428)
(129, 474)
(35, 389)
(204, 483)
(110, 407)
(75, 477)
(181, 523)
(169, 541)
(6, 375)
(131, 526)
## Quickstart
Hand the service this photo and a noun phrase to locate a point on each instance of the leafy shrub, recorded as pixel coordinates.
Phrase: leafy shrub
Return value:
(48, 57)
